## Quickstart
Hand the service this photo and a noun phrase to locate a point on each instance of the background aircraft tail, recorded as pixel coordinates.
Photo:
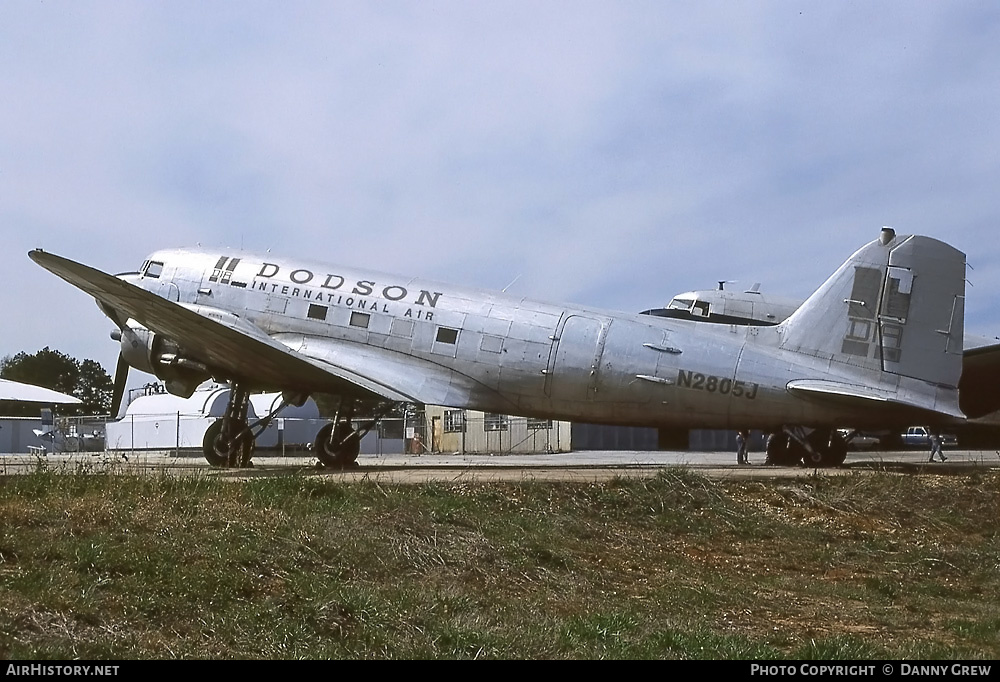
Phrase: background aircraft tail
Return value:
(897, 305)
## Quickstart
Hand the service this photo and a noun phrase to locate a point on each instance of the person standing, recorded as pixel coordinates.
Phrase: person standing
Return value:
(935, 438)
(742, 441)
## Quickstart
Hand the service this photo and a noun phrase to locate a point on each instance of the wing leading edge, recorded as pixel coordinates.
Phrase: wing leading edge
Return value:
(228, 344)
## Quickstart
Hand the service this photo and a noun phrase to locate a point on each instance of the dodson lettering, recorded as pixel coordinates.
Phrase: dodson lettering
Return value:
(362, 287)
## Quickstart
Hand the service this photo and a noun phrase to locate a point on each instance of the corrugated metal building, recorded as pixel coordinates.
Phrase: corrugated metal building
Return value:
(17, 434)
(478, 432)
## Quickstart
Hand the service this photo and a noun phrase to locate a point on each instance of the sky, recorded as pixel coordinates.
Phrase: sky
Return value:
(606, 153)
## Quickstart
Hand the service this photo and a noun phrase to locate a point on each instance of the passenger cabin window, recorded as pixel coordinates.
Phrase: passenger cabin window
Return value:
(360, 319)
(317, 312)
(403, 328)
(447, 335)
(492, 344)
(152, 269)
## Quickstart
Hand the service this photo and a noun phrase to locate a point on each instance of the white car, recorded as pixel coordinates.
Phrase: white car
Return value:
(856, 440)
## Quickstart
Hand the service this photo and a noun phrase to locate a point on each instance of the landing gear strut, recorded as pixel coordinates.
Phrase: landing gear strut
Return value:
(230, 441)
(795, 446)
(338, 444)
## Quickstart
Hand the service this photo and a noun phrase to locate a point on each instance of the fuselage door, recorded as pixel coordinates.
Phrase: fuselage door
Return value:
(575, 358)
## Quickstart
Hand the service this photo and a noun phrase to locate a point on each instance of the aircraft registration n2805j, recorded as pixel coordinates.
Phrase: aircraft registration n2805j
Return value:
(879, 343)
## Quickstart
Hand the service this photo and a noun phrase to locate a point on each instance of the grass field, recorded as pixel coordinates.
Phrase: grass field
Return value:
(104, 565)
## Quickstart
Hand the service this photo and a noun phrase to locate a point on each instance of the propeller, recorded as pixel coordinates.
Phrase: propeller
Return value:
(121, 377)
(121, 370)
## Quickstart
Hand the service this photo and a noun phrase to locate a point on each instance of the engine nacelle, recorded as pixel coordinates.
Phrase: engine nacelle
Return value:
(150, 352)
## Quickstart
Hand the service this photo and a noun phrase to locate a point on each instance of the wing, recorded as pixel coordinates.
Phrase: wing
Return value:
(428, 382)
(229, 345)
(14, 391)
(236, 349)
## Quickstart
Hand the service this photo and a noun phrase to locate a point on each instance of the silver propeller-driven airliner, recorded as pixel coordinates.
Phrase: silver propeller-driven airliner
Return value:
(879, 343)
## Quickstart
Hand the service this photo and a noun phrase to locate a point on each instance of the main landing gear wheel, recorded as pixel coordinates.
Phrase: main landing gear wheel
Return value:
(233, 447)
(337, 446)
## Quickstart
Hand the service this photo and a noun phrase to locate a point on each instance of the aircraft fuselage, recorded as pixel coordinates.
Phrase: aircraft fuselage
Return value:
(523, 356)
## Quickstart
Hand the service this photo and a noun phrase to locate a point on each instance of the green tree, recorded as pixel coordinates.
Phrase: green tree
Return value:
(49, 368)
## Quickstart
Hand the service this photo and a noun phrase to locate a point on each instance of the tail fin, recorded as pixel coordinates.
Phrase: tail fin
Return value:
(897, 305)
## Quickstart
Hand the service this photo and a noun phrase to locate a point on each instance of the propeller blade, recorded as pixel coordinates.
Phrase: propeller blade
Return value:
(121, 376)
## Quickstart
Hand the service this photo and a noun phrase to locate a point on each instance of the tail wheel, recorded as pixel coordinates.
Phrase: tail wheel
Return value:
(816, 454)
(337, 446)
(220, 449)
(829, 449)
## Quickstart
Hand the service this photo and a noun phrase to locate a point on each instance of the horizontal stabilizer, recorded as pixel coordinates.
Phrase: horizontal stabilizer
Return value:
(859, 395)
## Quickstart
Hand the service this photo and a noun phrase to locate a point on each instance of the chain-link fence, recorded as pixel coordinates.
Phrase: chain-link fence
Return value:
(70, 434)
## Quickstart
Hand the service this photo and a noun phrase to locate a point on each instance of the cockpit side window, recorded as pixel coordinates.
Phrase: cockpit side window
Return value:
(680, 304)
(151, 268)
(700, 308)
